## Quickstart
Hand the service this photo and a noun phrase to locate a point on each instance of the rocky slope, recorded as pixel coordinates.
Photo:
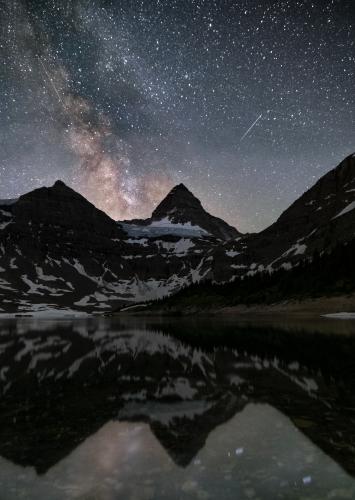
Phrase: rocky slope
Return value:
(321, 218)
(57, 251)
(182, 208)
(325, 284)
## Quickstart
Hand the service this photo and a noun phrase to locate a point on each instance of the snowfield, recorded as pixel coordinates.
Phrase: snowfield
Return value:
(340, 315)
(163, 227)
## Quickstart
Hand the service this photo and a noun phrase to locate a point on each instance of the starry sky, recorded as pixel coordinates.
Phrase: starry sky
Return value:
(246, 102)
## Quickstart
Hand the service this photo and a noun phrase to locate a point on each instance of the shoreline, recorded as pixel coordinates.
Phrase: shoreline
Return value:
(337, 307)
(306, 308)
(321, 306)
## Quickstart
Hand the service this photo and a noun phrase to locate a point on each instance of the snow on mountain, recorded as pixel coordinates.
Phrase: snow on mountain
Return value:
(321, 218)
(181, 213)
(347, 209)
(162, 227)
(58, 251)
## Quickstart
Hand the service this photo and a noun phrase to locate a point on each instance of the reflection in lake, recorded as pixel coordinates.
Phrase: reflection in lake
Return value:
(106, 409)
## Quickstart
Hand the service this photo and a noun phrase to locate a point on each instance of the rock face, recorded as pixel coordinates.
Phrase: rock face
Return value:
(59, 251)
(54, 249)
(182, 207)
(181, 212)
(59, 217)
(316, 222)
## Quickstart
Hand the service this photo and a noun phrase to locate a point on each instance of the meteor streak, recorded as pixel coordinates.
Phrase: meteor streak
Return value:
(251, 127)
(50, 79)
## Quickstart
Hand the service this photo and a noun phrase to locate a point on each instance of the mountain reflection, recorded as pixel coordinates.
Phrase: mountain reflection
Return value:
(125, 410)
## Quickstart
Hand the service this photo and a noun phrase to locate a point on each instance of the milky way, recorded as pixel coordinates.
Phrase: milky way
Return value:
(246, 102)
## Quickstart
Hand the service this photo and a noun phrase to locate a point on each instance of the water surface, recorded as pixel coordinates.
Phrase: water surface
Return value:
(134, 409)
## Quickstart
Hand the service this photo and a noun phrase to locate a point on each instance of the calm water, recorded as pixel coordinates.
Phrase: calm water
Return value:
(108, 409)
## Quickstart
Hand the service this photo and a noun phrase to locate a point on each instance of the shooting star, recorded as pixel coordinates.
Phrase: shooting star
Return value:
(251, 127)
(50, 79)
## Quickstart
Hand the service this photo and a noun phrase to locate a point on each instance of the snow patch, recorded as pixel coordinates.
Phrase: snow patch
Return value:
(137, 241)
(296, 249)
(345, 210)
(85, 301)
(287, 266)
(132, 307)
(232, 253)
(340, 315)
(46, 311)
(179, 247)
(5, 224)
(162, 227)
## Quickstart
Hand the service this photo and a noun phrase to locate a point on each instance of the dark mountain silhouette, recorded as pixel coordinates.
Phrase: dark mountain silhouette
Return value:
(58, 251)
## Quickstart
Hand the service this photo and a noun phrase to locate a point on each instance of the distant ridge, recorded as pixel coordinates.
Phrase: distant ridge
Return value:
(180, 206)
(59, 254)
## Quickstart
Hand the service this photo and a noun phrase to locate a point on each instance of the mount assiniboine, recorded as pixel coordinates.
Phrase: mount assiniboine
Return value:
(58, 253)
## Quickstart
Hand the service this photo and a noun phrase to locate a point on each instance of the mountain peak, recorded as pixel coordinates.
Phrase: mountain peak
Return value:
(180, 187)
(179, 201)
(59, 191)
(181, 190)
(181, 206)
(60, 204)
(59, 184)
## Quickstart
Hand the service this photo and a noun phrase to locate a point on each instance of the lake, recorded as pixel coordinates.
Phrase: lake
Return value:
(108, 408)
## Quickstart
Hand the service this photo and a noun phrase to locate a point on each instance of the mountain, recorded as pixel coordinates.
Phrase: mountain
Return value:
(321, 285)
(181, 207)
(59, 252)
(182, 213)
(316, 222)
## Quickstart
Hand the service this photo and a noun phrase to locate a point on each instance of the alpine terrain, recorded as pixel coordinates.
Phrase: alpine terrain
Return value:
(60, 254)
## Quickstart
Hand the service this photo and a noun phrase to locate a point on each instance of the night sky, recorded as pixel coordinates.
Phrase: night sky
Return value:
(246, 102)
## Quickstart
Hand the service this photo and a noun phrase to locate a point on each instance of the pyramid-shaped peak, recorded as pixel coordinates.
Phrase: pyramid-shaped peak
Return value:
(57, 195)
(180, 192)
(62, 205)
(59, 188)
(59, 183)
(180, 187)
(179, 198)
(180, 206)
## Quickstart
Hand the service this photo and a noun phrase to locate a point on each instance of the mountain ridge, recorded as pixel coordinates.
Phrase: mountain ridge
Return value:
(311, 223)
(59, 253)
(181, 206)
